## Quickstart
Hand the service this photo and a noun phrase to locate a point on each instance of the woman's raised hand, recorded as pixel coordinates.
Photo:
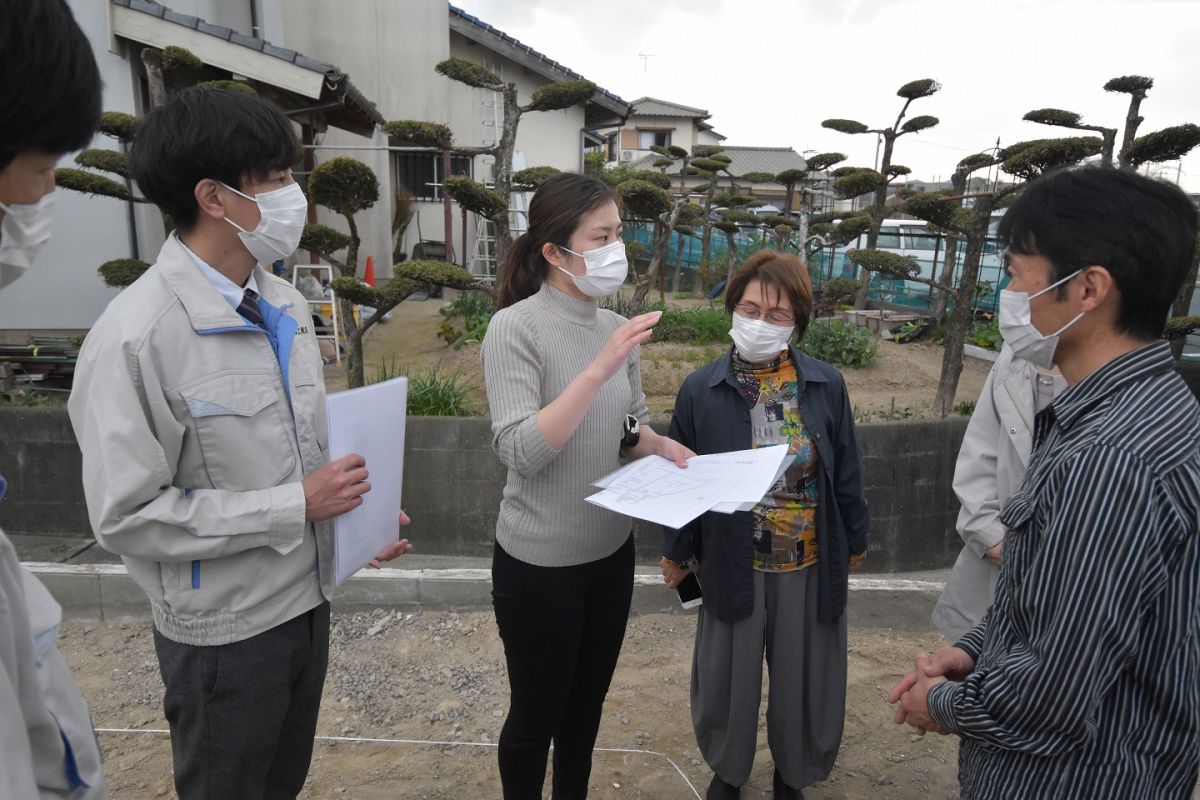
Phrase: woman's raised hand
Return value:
(633, 333)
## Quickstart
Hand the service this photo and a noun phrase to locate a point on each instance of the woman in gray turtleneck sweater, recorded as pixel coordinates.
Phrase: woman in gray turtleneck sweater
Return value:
(562, 375)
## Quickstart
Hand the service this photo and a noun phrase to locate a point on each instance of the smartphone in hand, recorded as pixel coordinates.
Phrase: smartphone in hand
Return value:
(689, 591)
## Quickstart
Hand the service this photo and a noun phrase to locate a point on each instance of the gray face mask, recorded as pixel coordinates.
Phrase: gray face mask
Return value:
(24, 231)
(1016, 326)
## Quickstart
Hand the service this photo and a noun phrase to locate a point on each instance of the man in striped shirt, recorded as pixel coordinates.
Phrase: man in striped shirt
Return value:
(1083, 680)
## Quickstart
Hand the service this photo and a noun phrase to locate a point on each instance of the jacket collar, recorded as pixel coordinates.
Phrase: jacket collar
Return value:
(205, 306)
(1137, 365)
(805, 369)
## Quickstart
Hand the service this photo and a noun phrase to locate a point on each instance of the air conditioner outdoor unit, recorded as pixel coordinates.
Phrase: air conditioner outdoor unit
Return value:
(627, 155)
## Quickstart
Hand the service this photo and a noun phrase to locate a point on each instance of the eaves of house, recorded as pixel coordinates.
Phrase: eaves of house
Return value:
(301, 85)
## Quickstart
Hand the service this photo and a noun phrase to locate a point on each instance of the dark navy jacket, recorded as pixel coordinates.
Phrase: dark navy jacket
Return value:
(711, 416)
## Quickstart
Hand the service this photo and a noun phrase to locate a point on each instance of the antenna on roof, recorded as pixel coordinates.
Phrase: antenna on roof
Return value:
(645, 57)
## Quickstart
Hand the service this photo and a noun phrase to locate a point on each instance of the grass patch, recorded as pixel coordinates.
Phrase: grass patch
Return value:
(432, 393)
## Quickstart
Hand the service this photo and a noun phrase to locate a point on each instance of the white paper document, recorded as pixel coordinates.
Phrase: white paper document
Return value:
(729, 508)
(370, 422)
(654, 489)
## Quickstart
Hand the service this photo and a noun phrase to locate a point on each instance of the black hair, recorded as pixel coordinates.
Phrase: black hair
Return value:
(50, 95)
(557, 208)
(222, 134)
(1143, 231)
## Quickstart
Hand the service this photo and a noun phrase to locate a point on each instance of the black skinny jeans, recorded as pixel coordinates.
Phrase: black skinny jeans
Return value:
(562, 629)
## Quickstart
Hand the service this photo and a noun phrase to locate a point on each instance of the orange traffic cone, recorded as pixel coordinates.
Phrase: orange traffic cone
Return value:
(369, 273)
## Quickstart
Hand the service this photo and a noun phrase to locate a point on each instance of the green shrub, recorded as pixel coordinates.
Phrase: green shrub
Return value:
(966, 408)
(839, 342)
(987, 336)
(475, 309)
(840, 291)
(693, 326)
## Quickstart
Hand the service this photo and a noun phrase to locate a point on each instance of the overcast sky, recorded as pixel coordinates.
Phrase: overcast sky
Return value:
(770, 70)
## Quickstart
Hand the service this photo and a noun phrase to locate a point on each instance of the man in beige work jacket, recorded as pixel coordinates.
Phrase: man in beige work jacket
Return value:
(199, 405)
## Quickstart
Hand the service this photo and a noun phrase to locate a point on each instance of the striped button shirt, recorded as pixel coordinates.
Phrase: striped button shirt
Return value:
(1087, 666)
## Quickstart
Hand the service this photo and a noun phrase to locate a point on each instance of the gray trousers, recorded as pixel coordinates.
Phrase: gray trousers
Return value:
(806, 704)
(243, 715)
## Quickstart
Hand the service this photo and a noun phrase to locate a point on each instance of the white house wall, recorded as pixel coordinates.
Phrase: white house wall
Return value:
(389, 49)
(63, 291)
(683, 131)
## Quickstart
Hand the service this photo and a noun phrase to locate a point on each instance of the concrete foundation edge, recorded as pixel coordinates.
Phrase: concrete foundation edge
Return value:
(106, 592)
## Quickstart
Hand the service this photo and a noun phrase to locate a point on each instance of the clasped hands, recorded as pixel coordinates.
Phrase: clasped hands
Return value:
(912, 692)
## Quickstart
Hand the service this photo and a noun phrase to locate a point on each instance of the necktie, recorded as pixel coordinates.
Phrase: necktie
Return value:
(249, 308)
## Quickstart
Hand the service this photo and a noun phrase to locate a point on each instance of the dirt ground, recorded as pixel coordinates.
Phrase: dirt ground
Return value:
(900, 383)
(439, 676)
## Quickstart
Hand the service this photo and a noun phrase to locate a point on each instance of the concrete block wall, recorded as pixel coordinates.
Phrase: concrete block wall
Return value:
(40, 461)
(453, 486)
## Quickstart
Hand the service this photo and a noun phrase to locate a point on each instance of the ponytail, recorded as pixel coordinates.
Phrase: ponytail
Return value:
(523, 273)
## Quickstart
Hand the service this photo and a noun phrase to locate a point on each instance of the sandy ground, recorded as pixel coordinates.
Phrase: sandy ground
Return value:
(901, 382)
(439, 676)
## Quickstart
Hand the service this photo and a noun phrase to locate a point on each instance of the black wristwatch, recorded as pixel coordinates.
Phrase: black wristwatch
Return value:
(631, 431)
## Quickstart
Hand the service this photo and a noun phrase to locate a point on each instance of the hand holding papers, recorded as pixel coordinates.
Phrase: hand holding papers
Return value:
(654, 489)
(361, 534)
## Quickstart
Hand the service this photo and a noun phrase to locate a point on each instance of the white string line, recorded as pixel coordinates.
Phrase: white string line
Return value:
(369, 740)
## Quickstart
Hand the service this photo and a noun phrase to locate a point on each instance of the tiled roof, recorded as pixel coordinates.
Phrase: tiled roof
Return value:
(336, 81)
(746, 159)
(555, 69)
(653, 107)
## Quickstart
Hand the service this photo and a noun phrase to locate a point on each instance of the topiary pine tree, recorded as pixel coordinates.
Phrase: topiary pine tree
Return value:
(791, 178)
(947, 212)
(182, 68)
(690, 215)
(708, 162)
(877, 180)
(347, 187)
(1168, 144)
(551, 97)
(648, 203)
(643, 200)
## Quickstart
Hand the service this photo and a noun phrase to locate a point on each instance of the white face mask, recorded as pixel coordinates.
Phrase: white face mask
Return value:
(1016, 326)
(24, 230)
(282, 216)
(606, 269)
(757, 340)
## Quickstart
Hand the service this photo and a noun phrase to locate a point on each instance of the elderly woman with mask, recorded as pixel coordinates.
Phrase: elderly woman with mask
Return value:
(774, 578)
